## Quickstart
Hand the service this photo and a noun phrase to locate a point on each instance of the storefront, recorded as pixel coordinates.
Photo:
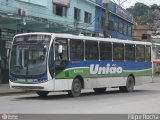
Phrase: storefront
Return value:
(6, 36)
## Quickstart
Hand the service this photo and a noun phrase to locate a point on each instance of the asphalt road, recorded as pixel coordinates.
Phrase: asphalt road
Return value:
(145, 99)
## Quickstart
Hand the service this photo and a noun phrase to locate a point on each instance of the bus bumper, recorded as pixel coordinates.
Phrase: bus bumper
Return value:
(47, 86)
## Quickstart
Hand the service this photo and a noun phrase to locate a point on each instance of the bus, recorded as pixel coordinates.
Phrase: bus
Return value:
(46, 62)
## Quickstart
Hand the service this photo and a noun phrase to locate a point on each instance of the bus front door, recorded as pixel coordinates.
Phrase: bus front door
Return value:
(61, 56)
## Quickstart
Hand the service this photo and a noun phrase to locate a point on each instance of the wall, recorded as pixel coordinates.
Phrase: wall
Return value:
(69, 19)
(139, 30)
(44, 9)
(32, 9)
(114, 16)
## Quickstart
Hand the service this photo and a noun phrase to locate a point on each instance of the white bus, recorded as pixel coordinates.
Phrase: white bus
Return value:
(45, 62)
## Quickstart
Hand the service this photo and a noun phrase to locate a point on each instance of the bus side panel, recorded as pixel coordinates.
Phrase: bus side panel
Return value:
(104, 73)
(104, 82)
(63, 84)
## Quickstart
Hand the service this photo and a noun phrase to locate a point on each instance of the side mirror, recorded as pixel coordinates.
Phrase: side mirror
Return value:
(60, 49)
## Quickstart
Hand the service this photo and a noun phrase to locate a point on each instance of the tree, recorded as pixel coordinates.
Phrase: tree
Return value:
(144, 14)
(140, 13)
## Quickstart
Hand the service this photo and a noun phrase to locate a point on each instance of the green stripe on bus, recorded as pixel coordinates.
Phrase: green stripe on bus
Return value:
(86, 73)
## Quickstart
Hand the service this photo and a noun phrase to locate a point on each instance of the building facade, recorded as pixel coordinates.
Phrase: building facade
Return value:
(88, 17)
(142, 32)
(113, 21)
(59, 16)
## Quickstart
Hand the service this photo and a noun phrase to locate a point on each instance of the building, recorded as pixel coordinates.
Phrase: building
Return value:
(59, 16)
(141, 32)
(88, 17)
(113, 21)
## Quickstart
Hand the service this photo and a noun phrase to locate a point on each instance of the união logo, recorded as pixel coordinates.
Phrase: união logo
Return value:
(108, 69)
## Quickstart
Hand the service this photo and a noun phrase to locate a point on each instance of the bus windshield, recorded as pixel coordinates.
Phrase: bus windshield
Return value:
(29, 55)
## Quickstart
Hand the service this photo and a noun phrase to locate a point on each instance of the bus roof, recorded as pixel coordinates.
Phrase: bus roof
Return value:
(70, 36)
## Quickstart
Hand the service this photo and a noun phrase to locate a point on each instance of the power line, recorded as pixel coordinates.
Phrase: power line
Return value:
(123, 2)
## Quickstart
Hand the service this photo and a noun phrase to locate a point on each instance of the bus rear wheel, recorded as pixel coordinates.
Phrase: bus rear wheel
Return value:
(129, 85)
(76, 88)
(42, 93)
(99, 90)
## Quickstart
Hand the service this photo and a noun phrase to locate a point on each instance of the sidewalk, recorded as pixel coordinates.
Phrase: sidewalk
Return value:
(156, 79)
(5, 90)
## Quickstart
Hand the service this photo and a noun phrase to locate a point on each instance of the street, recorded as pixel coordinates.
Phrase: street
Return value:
(145, 99)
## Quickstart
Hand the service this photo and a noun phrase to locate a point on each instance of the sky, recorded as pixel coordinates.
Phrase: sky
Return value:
(129, 3)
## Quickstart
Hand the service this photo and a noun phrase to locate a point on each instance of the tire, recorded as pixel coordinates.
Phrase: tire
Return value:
(76, 88)
(129, 85)
(99, 90)
(42, 93)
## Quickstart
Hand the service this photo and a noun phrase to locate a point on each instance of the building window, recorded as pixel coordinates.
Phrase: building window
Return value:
(120, 27)
(144, 36)
(59, 10)
(125, 29)
(111, 25)
(115, 25)
(87, 17)
(102, 22)
(129, 31)
(77, 14)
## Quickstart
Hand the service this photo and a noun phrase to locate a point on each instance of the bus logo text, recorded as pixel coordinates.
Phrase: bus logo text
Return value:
(108, 69)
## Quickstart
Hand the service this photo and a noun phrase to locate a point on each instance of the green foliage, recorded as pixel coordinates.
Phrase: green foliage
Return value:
(142, 13)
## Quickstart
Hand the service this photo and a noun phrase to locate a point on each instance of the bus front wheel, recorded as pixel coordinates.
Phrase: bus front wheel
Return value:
(42, 93)
(129, 85)
(76, 88)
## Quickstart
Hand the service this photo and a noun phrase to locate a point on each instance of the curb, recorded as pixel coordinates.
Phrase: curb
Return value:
(11, 93)
(5, 90)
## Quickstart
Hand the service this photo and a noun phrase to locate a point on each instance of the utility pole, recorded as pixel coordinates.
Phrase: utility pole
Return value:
(106, 23)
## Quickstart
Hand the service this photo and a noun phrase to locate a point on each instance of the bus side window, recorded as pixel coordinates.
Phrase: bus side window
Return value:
(118, 51)
(129, 52)
(91, 50)
(105, 51)
(148, 53)
(76, 49)
(140, 53)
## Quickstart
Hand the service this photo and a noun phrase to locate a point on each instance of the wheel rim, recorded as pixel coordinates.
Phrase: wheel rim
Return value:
(76, 88)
